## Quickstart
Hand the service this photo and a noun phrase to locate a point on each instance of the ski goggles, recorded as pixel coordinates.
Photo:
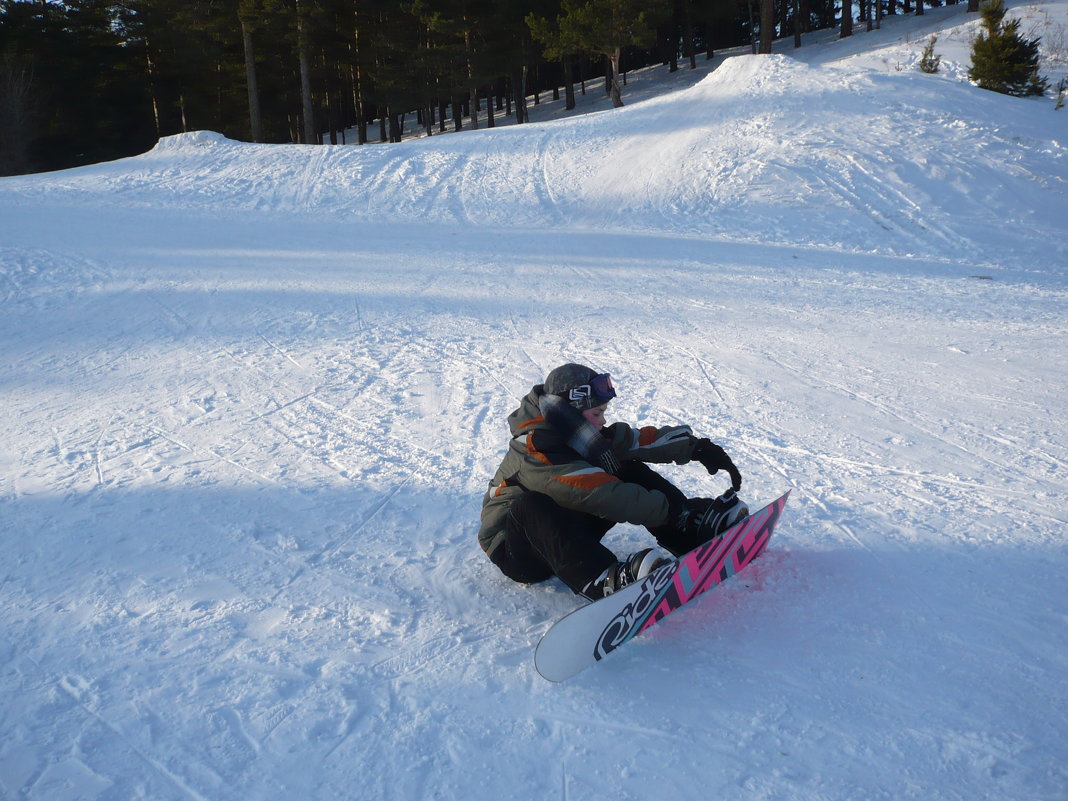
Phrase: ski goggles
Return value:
(596, 393)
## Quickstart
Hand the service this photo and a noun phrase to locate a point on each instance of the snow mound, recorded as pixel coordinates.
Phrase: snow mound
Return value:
(192, 139)
(755, 74)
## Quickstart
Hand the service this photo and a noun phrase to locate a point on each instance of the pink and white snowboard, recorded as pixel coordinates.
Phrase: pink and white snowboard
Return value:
(593, 631)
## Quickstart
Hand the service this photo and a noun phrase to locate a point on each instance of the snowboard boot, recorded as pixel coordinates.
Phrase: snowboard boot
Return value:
(634, 568)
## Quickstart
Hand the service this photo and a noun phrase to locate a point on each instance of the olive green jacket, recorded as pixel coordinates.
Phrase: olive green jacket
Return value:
(539, 460)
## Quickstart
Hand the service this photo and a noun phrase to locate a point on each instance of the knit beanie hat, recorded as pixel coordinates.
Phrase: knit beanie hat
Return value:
(582, 387)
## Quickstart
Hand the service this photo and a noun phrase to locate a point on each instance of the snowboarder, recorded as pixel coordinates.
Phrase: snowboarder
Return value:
(567, 478)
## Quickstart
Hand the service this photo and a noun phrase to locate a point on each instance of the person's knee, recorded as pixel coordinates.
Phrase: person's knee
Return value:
(532, 505)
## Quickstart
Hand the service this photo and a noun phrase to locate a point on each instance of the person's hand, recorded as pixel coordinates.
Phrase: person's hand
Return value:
(714, 459)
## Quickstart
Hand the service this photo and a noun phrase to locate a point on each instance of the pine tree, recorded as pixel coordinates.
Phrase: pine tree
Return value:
(1003, 60)
(605, 27)
(929, 62)
(559, 43)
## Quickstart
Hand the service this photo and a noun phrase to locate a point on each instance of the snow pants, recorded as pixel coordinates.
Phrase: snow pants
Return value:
(543, 539)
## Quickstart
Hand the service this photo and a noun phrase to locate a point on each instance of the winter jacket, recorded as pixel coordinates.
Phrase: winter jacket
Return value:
(539, 460)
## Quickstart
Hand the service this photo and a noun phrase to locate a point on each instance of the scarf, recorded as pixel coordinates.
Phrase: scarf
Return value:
(581, 437)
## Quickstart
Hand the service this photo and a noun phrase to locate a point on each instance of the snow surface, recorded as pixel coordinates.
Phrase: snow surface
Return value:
(252, 395)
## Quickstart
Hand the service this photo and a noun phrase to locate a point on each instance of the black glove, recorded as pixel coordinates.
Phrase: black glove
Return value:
(714, 458)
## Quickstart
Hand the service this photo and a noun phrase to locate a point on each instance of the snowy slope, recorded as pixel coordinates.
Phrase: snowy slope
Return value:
(731, 158)
(251, 397)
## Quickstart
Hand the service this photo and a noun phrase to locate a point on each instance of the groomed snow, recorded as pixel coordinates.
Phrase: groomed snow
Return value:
(251, 396)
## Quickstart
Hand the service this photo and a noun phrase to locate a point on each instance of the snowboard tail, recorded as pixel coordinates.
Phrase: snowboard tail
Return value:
(612, 621)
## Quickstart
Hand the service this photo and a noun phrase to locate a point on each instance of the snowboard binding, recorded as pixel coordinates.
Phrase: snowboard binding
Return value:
(724, 512)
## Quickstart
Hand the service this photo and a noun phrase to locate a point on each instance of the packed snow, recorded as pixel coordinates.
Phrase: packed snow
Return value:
(252, 395)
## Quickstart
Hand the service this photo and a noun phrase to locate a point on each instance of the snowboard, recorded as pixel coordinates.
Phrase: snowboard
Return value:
(591, 632)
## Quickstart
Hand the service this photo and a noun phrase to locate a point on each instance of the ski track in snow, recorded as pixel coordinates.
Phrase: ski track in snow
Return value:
(252, 396)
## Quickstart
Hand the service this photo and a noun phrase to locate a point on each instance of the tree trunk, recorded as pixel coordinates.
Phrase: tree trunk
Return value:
(569, 82)
(255, 118)
(473, 91)
(753, 26)
(332, 122)
(847, 19)
(919, 8)
(357, 84)
(310, 136)
(767, 25)
(617, 92)
(396, 126)
(151, 70)
(361, 117)
(688, 47)
(519, 90)
(19, 119)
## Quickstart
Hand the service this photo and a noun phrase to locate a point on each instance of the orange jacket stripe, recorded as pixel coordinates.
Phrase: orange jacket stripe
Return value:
(586, 481)
(533, 451)
(647, 435)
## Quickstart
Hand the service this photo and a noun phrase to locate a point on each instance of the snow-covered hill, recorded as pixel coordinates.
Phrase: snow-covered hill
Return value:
(251, 396)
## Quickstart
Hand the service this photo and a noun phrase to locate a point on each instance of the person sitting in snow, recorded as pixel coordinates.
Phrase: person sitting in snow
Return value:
(567, 478)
